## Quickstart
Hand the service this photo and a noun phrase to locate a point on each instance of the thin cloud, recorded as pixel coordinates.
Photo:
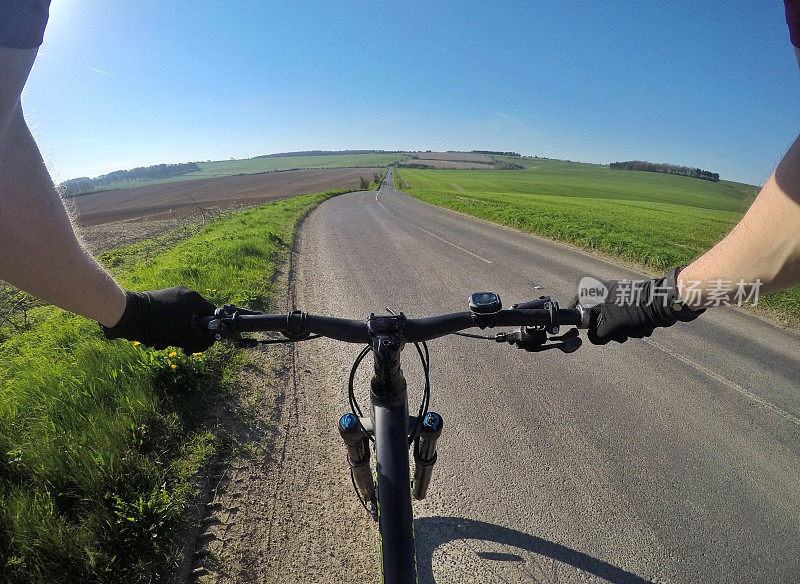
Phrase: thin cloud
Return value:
(515, 121)
(98, 71)
(87, 140)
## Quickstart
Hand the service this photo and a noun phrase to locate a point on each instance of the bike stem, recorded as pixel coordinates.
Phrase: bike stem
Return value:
(388, 383)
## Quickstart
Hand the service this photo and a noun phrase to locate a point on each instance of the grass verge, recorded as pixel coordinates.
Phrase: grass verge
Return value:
(102, 443)
(655, 221)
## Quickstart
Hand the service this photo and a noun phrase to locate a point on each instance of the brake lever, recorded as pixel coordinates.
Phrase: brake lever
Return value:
(220, 332)
(220, 326)
(569, 346)
(216, 327)
(567, 336)
(565, 347)
(535, 340)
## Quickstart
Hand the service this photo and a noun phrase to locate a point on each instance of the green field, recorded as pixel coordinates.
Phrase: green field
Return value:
(219, 168)
(255, 165)
(653, 220)
(103, 444)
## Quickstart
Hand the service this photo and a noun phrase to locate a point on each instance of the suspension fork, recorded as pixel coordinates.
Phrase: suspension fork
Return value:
(388, 389)
(389, 408)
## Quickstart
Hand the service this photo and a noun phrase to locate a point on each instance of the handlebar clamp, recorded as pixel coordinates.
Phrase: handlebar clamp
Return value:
(296, 325)
(552, 306)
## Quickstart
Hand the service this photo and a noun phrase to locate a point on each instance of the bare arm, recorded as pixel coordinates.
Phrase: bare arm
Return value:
(765, 244)
(39, 251)
(763, 249)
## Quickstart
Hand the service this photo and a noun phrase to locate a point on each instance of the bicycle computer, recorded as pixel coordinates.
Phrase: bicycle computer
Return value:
(485, 303)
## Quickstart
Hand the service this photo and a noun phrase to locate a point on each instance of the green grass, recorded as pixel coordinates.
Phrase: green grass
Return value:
(654, 220)
(221, 168)
(102, 443)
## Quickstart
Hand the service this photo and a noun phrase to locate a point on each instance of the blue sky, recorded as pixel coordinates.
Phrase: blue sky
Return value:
(122, 84)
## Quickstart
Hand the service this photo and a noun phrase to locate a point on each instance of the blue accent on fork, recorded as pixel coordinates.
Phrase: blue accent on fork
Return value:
(348, 421)
(433, 420)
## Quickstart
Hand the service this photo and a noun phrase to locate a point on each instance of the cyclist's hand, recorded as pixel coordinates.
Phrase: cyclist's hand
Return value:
(164, 318)
(635, 308)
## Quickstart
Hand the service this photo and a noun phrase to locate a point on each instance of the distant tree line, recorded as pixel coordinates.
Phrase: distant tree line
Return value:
(325, 153)
(496, 153)
(85, 184)
(496, 165)
(665, 168)
(417, 165)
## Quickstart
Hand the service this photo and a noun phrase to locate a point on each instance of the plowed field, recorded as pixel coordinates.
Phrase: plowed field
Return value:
(181, 198)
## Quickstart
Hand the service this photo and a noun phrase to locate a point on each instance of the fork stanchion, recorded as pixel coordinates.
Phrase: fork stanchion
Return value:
(425, 453)
(357, 442)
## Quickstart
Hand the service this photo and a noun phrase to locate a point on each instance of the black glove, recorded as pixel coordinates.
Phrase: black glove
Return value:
(634, 308)
(163, 318)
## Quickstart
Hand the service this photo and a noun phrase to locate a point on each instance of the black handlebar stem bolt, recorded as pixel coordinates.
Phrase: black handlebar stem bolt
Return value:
(425, 454)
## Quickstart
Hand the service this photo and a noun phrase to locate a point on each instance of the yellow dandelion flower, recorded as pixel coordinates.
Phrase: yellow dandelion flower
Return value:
(173, 354)
(208, 289)
(173, 366)
(196, 354)
(136, 343)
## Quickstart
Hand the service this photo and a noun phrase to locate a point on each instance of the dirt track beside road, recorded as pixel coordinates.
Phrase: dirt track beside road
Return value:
(176, 199)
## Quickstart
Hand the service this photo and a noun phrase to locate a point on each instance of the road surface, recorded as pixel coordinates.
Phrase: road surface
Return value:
(672, 459)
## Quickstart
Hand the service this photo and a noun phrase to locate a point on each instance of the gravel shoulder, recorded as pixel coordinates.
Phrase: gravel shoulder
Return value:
(282, 508)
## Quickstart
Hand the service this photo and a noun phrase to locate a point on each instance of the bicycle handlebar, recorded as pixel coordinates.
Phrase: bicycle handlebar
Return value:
(298, 325)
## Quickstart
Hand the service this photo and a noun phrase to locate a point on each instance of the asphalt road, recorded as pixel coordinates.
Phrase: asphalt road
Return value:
(672, 459)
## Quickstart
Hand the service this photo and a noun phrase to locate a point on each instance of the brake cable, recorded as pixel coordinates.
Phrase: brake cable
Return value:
(424, 355)
(351, 396)
(247, 342)
(485, 337)
(279, 341)
(426, 393)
